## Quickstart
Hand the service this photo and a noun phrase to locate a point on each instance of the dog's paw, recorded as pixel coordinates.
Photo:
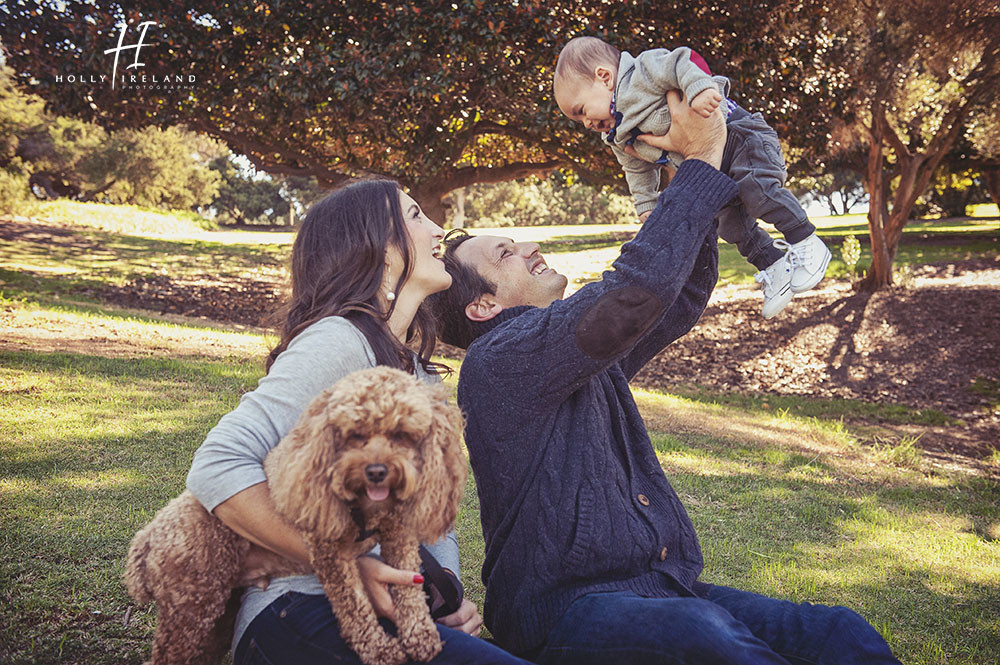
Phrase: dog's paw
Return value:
(389, 652)
(423, 643)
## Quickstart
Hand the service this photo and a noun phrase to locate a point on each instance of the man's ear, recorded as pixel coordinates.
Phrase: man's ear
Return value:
(606, 77)
(483, 308)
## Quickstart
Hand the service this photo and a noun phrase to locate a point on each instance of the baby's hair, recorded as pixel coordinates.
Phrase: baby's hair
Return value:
(582, 55)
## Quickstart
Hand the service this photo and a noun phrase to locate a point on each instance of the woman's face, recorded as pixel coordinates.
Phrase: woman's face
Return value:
(428, 274)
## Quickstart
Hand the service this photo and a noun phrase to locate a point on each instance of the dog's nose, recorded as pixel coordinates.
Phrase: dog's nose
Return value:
(376, 473)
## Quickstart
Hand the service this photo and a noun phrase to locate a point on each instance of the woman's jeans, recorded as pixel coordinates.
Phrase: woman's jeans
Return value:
(300, 629)
(728, 627)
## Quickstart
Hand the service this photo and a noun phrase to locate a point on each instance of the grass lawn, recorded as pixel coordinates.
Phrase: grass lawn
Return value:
(128, 244)
(101, 409)
(788, 501)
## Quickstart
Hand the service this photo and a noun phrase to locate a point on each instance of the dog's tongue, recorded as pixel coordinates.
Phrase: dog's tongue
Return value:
(377, 493)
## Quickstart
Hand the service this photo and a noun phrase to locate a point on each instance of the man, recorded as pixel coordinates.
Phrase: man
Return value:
(590, 556)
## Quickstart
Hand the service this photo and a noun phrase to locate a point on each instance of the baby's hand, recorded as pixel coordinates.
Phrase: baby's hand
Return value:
(706, 101)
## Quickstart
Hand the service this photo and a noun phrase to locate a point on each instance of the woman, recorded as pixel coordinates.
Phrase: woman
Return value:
(363, 261)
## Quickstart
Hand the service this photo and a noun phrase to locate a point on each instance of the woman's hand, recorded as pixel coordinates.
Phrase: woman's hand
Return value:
(377, 576)
(258, 567)
(466, 619)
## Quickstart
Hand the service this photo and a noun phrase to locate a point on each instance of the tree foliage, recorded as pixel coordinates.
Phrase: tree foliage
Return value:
(443, 94)
(555, 200)
(437, 94)
(243, 199)
(62, 156)
(895, 85)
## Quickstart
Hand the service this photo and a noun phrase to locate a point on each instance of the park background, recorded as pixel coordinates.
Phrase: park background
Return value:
(846, 452)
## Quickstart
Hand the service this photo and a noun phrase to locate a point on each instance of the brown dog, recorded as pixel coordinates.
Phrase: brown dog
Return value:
(375, 458)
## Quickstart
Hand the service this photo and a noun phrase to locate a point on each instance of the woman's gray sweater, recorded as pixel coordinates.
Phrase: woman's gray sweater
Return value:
(231, 458)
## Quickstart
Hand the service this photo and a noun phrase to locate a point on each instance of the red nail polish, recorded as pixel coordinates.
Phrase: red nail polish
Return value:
(418, 579)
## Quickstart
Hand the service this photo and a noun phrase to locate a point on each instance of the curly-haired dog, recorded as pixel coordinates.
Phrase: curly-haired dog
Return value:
(375, 458)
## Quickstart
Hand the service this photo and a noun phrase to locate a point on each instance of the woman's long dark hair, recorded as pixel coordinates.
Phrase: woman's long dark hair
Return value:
(338, 266)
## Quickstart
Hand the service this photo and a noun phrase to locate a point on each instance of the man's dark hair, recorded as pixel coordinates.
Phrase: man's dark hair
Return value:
(448, 306)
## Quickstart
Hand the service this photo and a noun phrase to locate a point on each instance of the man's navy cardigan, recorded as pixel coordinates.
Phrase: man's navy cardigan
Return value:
(572, 496)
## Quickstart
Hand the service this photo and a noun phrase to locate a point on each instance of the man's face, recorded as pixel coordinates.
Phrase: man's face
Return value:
(518, 270)
(587, 102)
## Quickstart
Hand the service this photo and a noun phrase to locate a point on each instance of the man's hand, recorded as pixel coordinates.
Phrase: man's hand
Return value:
(706, 101)
(466, 619)
(377, 576)
(693, 136)
(643, 216)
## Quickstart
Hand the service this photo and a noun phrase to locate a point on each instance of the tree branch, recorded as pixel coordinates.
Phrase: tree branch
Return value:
(470, 175)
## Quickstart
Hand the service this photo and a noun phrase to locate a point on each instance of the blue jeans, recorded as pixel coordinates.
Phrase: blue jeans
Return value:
(300, 629)
(729, 626)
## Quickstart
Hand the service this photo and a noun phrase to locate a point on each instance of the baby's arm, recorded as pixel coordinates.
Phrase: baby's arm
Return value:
(660, 70)
(706, 102)
(643, 178)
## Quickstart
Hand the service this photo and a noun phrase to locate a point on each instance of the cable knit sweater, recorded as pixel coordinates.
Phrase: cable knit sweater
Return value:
(572, 496)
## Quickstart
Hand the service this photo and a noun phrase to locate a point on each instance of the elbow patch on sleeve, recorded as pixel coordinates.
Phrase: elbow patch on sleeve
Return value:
(616, 321)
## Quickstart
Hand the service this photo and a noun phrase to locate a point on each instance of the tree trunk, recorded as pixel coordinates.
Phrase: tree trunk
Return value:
(991, 176)
(430, 201)
(90, 196)
(458, 219)
(879, 275)
(914, 171)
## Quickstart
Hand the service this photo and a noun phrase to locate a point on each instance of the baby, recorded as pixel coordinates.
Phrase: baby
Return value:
(623, 96)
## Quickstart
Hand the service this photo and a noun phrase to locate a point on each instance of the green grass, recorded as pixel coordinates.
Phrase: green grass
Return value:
(91, 448)
(785, 504)
(816, 407)
(126, 219)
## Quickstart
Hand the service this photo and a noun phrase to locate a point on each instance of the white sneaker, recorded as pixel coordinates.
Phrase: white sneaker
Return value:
(809, 259)
(777, 281)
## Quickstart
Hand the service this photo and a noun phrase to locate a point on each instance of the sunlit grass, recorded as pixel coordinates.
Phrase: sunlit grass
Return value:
(66, 325)
(124, 219)
(787, 502)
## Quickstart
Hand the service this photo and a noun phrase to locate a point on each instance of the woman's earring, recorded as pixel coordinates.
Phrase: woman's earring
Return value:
(390, 296)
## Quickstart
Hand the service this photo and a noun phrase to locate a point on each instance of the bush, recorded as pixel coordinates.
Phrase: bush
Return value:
(557, 200)
(14, 186)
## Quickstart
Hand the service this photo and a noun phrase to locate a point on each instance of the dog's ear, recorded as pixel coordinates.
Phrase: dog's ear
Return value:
(442, 478)
(301, 471)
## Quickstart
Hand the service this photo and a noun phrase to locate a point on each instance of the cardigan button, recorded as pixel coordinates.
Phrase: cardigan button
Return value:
(643, 499)
(663, 554)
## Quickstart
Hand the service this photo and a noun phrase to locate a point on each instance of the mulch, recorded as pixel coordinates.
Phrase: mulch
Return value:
(241, 300)
(924, 345)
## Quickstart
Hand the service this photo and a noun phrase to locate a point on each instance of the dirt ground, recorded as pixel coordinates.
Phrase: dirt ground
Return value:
(933, 343)
(929, 344)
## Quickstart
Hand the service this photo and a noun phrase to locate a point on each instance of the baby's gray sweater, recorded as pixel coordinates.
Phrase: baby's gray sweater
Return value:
(232, 456)
(641, 105)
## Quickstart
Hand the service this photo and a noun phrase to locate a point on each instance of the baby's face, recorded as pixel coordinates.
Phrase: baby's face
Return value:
(587, 102)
